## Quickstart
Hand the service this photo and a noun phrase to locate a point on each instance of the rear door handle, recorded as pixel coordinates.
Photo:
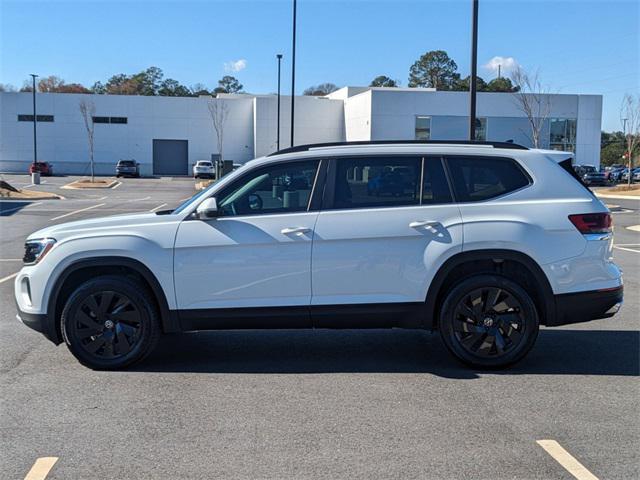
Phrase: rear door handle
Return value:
(295, 230)
(429, 224)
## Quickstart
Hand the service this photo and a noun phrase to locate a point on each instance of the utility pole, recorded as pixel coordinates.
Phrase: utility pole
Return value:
(279, 57)
(35, 119)
(474, 67)
(499, 67)
(293, 71)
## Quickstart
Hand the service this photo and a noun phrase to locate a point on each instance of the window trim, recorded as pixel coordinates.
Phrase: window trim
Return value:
(312, 205)
(449, 174)
(328, 200)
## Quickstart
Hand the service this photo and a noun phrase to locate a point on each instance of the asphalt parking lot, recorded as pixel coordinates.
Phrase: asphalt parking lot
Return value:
(312, 404)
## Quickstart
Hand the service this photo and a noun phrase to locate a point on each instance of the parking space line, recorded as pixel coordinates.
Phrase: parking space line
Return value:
(568, 461)
(41, 468)
(157, 208)
(8, 277)
(78, 211)
(634, 228)
(10, 259)
(626, 249)
(116, 185)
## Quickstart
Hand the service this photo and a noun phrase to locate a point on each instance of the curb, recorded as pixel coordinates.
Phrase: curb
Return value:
(621, 197)
(77, 186)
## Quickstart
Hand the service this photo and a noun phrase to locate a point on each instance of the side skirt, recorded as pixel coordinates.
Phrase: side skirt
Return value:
(385, 315)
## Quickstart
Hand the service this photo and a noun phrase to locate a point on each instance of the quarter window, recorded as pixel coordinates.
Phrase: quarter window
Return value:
(282, 188)
(377, 182)
(480, 178)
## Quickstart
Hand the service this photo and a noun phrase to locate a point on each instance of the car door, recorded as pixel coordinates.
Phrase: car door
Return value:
(257, 252)
(387, 224)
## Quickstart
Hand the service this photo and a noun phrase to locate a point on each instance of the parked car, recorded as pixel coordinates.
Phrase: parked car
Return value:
(127, 168)
(636, 175)
(625, 175)
(203, 169)
(474, 252)
(591, 176)
(615, 174)
(44, 168)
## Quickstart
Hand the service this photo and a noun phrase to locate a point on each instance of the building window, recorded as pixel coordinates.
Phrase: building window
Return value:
(119, 120)
(423, 128)
(481, 129)
(562, 134)
(40, 118)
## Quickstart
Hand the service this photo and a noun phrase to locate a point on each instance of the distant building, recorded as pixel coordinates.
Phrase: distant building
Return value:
(166, 135)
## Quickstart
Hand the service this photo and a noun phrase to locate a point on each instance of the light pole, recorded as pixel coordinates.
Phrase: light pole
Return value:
(293, 71)
(474, 66)
(35, 119)
(279, 57)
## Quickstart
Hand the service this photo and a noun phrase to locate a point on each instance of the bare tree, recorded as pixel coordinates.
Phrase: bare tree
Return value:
(630, 119)
(88, 111)
(219, 111)
(533, 100)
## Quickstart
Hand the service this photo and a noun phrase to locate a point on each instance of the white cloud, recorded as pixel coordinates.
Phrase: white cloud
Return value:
(507, 64)
(235, 65)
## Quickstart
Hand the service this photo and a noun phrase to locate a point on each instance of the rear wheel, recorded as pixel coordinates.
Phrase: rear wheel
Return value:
(110, 322)
(488, 321)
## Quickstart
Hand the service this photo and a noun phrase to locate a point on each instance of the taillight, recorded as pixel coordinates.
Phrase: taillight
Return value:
(592, 222)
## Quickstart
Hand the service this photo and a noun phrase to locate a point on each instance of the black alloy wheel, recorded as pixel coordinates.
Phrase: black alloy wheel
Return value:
(110, 322)
(489, 321)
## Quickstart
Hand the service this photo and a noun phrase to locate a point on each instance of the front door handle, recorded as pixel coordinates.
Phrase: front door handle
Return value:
(295, 230)
(428, 224)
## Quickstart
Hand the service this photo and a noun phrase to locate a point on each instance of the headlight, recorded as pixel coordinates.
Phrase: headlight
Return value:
(35, 250)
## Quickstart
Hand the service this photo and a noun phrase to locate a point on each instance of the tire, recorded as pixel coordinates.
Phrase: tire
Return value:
(115, 334)
(488, 321)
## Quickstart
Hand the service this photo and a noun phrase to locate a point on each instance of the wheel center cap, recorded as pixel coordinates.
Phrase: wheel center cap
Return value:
(488, 322)
(108, 324)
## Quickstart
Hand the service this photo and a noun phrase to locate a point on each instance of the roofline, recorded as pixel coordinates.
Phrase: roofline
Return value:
(310, 146)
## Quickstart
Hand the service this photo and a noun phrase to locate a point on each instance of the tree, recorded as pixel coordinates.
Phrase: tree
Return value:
(5, 87)
(50, 84)
(99, 88)
(533, 100)
(121, 84)
(88, 111)
(219, 111)
(173, 88)
(434, 69)
(320, 90)
(630, 118)
(501, 84)
(384, 81)
(148, 82)
(612, 148)
(228, 84)
(463, 85)
(199, 89)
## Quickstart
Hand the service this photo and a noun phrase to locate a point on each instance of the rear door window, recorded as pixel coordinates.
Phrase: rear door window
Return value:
(481, 178)
(367, 182)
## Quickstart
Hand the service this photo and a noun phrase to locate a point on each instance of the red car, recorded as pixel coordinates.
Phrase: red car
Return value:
(45, 168)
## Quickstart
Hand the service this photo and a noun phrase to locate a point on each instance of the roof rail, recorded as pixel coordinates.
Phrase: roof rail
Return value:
(304, 148)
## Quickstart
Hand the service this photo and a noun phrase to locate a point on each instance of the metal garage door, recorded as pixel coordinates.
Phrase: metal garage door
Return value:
(170, 157)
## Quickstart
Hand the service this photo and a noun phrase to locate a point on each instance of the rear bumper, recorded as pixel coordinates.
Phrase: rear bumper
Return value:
(586, 306)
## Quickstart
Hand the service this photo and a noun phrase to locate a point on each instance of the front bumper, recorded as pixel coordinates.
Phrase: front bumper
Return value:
(40, 323)
(585, 306)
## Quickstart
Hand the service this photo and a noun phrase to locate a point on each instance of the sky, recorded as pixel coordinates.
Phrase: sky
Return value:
(577, 46)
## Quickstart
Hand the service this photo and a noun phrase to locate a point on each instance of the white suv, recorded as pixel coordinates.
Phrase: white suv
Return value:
(484, 242)
(203, 169)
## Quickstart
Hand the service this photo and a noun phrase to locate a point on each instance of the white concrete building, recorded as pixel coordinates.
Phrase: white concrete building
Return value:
(166, 135)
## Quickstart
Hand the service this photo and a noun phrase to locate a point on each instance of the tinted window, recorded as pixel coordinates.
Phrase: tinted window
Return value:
(39, 118)
(435, 188)
(100, 119)
(127, 163)
(481, 178)
(377, 182)
(276, 189)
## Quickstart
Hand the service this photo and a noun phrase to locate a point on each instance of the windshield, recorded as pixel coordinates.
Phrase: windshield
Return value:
(204, 164)
(126, 163)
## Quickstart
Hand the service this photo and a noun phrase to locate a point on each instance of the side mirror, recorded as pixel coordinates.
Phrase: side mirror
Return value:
(208, 209)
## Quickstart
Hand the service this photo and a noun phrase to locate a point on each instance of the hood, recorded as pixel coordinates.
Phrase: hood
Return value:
(98, 226)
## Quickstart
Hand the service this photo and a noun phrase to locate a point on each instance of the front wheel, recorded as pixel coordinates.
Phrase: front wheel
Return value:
(110, 322)
(488, 321)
